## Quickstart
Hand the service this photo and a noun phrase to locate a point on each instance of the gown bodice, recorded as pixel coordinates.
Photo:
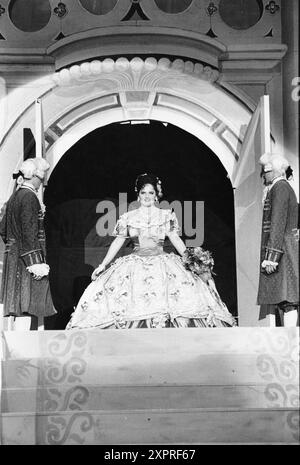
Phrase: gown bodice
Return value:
(147, 232)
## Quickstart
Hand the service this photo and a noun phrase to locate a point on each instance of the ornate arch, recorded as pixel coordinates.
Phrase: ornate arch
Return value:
(82, 97)
(183, 93)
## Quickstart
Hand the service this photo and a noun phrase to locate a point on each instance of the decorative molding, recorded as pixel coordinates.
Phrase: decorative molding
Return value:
(211, 9)
(134, 74)
(260, 52)
(210, 33)
(272, 7)
(258, 58)
(77, 114)
(60, 36)
(135, 12)
(192, 18)
(61, 10)
(270, 33)
(132, 40)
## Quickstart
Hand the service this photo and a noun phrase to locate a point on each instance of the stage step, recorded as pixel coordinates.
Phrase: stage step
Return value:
(164, 386)
(134, 397)
(213, 426)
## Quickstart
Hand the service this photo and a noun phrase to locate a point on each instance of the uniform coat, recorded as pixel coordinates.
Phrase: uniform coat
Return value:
(280, 243)
(23, 234)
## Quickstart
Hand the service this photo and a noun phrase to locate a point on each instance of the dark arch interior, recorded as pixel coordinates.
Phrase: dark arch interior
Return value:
(105, 163)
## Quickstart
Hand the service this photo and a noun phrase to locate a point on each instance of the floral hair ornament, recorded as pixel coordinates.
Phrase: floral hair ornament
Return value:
(157, 186)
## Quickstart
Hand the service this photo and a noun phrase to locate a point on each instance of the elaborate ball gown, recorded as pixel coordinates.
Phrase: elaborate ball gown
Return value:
(149, 288)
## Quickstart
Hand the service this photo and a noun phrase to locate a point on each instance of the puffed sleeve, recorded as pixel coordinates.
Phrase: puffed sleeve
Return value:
(121, 228)
(173, 225)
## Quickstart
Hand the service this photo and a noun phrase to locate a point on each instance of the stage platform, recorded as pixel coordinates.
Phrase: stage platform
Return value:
(143, 386)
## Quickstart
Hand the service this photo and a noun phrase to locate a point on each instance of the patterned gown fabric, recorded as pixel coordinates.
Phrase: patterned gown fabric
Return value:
(149, 288)
(280, 243)
(23, 234)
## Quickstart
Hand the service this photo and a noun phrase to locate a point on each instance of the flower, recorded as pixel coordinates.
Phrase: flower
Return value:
(198, 260)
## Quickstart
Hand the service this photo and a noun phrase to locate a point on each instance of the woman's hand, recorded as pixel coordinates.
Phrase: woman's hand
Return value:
(206, 277)
(97, 271)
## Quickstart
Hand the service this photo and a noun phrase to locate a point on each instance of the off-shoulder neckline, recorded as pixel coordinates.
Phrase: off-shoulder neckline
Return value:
(135, 219)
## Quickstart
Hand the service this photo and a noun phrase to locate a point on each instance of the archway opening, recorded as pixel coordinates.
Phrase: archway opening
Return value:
(91, 183)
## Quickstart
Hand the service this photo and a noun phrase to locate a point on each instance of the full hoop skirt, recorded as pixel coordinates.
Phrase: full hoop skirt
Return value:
(151, 291)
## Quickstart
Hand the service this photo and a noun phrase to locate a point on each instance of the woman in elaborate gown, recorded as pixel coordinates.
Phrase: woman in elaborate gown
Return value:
(149, 288)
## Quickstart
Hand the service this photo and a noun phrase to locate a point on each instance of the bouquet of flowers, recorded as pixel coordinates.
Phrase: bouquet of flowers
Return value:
(198, 261)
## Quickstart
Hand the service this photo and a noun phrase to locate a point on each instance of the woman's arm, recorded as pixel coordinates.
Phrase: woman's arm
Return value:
(111, 253)
(180, 247)
(113, 250)
(177, 242)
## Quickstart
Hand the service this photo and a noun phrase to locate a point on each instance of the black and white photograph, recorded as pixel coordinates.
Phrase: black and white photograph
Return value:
(149, 225)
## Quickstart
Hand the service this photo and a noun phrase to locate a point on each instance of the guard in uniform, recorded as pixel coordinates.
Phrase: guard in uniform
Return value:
(25, 291)
(279, 273)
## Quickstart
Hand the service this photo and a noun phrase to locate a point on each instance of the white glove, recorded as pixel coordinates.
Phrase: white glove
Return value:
(39, 270)
(269, 266)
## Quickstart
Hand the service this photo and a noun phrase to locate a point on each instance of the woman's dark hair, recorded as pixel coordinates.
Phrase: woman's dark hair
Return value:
(148, 178)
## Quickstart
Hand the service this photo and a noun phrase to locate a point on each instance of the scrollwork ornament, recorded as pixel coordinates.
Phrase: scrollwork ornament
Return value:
(56, 400)
(59, 431)
(269, 369)
(75, 398)
(272, 7)
(265, 342)
(61, 344)
(293, 423)
(56, 372)
(293, 398)
(265, 363)
(287, 370)
(50, 400)
(275, 392)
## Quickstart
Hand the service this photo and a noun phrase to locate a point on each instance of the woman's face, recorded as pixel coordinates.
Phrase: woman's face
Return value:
(147, 195)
